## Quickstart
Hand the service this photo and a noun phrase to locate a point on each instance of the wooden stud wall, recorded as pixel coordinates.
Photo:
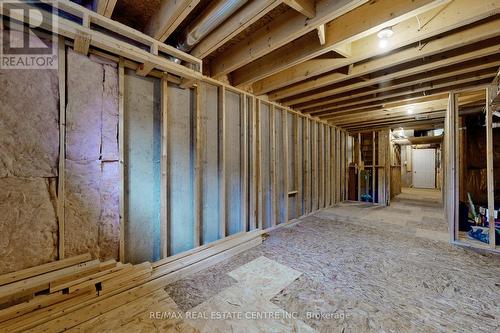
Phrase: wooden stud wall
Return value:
(310, 171)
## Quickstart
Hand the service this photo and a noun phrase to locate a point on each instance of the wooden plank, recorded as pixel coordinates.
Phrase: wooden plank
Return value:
(234, 25)
(61, 188)
(244, 181)
(121, 148)
(222, 167)
(41, 282)
(160, 270)
(280, 31)
(327, 167)
(169, 16)
(490, 167)
(338, 167)
(284, 127)
(374, 152)
(419, 90)
(106, 7)
(332, 165)
(98, 278)
(165, 187)
(42, 269)
(38, 302)
(315, 165)
(321, 34)
(68, 283)
(297, 144)
(70, 319)
(474, 34)
(305, 7)
(321, 161)
(307, 165)
(274, 180)
(198, 250)
(55, 285)
(426, 79)
(458, 13)
(450, 164)
(255, 165)
(82, 43)
(198, 177)
(360, 22)
(259, 203)
(70, 30)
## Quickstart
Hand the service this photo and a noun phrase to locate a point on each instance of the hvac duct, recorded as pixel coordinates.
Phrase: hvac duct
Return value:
(210, 19)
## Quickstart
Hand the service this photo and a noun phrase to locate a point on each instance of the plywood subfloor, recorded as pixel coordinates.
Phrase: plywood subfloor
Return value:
(379, 270)
(332, 273)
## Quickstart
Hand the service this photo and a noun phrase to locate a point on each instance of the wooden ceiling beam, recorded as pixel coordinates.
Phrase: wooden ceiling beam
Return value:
(280, 31)
(439, 114)
(459, 13)
(358, 23)
(106, 7)
(420, 79)
(383, 69)
(233, 26)
(305, 7)
(433, 103)
(468, 83)
(168, 17)
(435, 123)
(424, 89)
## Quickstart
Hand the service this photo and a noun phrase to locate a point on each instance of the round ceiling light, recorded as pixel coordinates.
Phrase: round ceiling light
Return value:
(385, 33)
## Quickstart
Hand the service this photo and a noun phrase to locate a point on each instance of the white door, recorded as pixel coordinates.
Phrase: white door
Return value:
(424, 171)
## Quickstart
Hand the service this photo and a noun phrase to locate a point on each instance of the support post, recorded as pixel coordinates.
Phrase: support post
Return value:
(244, 196)
(198, 168)
(222, 168)
(61, 190)
(164, 197)
(490, 91)
(274, 185)
(284, 125)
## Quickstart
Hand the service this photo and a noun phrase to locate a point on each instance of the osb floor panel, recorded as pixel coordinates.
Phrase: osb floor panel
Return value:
(333, 274)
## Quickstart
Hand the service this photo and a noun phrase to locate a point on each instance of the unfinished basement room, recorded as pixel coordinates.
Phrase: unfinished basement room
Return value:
(246, 166)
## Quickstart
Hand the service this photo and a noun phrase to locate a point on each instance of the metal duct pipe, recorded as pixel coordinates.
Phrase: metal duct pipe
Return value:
(210, 19)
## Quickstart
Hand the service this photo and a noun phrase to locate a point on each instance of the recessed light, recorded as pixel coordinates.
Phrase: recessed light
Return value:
(385, 33)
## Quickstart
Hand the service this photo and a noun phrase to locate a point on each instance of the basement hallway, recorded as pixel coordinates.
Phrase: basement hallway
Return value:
(350, 268)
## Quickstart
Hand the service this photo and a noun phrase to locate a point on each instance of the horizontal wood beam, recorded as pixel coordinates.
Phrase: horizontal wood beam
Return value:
(168, 17)
(106, 7)
(305, 7)
(432, 123)
(418, 79)
(466, 83)
(234, 25)
(360, 22)
(423, 88)
(280, 31)
(385, 70)
(457, 14)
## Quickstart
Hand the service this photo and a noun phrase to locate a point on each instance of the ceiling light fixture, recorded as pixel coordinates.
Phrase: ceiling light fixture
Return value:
(385, 33)
(383, 36)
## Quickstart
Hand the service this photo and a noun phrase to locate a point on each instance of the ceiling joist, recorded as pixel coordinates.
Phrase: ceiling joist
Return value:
(280, 31)
(459, 13)
(360, 22)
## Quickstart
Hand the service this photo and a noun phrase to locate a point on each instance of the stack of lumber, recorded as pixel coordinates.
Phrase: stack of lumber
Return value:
(64, 294)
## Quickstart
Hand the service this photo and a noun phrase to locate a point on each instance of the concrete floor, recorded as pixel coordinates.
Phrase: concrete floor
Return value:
(352, 268)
